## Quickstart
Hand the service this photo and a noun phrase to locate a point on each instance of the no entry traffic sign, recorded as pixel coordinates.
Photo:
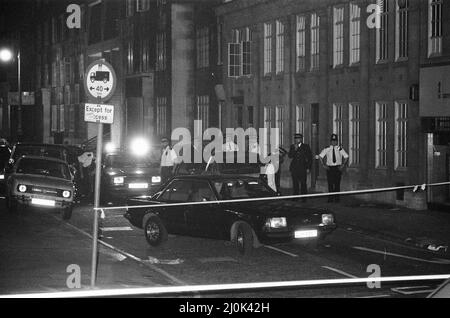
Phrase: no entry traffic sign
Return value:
(100, 81)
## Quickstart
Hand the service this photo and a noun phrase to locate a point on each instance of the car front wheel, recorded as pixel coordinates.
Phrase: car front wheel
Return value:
(155, 231)
(243, 239)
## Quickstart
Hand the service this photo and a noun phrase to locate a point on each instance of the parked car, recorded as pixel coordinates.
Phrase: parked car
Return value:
(246, 224)
(60, 152)
(125, 175)
(40, 182)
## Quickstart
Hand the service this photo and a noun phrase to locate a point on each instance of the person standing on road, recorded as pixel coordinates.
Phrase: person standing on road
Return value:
(168, 161)
(301, 163)
(86, 161)
(334, 159)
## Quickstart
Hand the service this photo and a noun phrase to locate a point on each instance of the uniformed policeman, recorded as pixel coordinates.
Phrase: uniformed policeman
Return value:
(334, 159)
(168, 161)
(301, 156)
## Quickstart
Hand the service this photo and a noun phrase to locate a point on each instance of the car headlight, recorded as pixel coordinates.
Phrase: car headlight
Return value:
(2, 177)
(66, 194)
(119, 180)
(327, 219)
(22, 188)
(276, 223)
(140, 147)
(156, 179)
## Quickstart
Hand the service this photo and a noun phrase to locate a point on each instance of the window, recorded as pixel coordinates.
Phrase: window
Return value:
(219, 43)
(234, 59)
(315, 38)
(62, 126)
(130, 56)
(354, 134)
(202, 40)
(338, 36)
(381, 135)
(267, 48)
(68, 70)
(54, 74)
(130, 8)
(355, 33)
(279, 123)
(146, 55)
(161, 116)
(54, 123)
(246, 52)
(177, 191)
(142, 5)
(279, 47)
(435, 27)
(203, 111)
(338, 118)
(161, 52)
(301, 43)
(401, 30)
(382, 33)
(268, 115)
(72, 117)
(95, 33)
(300, 119)
(401, 135)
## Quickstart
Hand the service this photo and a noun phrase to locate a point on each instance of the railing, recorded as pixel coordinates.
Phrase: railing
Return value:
(91, 144)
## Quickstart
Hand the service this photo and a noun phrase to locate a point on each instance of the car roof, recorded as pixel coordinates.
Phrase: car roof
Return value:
(43, 158)
(39, 145)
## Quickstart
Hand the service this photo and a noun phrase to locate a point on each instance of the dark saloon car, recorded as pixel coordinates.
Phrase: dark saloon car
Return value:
(125, 175)
(246, 224)
(40, 182)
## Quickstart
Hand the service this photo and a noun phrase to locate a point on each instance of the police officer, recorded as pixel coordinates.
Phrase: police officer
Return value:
(301, 156)
(334, 159)
(168, 161)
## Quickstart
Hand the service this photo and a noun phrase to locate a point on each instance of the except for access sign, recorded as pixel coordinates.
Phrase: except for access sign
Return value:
(99, 113)
(100, 81)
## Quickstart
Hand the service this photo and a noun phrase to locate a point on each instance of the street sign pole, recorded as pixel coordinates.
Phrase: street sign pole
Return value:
(100, 84)
(98, 165)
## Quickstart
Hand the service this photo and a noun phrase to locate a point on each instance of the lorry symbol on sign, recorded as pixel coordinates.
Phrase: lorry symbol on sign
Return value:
(99, 76)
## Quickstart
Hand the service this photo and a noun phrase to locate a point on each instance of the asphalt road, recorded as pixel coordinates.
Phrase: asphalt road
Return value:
(37, 247)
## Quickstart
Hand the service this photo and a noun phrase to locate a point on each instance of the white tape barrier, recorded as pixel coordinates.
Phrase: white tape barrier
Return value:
(170, 290)
(415, 188)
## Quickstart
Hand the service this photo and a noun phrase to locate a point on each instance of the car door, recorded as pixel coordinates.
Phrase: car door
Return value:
(174, 217)
(204, 220)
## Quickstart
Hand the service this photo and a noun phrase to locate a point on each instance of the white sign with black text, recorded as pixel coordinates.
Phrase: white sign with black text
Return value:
(99, 113)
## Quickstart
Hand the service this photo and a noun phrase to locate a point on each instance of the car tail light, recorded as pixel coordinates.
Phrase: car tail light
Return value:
(276, 223)
(66, 194)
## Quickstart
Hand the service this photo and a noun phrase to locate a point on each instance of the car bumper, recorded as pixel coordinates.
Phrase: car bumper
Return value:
(124, 192)
(42, 201)
(303, 233)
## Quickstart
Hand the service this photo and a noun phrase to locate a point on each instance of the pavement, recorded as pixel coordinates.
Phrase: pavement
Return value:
(427, 229)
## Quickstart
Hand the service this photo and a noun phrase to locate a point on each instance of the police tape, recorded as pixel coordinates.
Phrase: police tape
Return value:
(239, 287)
(415, 188)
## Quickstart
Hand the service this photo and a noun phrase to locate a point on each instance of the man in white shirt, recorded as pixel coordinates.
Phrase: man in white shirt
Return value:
(168, 161)
(229, 145)
(334, 159)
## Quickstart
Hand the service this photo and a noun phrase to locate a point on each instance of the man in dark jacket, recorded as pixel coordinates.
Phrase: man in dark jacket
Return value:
(301, 163)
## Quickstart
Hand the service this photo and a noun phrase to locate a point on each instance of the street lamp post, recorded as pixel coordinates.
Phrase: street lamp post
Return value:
(6, 56)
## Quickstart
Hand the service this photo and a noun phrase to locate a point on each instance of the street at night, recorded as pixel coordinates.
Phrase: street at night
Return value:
(225, 149)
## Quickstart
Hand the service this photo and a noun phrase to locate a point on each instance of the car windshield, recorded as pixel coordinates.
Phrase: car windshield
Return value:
(43, 167)
(126, 160)
(242, 189)
(40, 151)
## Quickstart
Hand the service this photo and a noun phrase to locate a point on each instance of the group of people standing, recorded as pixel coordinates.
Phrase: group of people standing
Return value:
(333, 158)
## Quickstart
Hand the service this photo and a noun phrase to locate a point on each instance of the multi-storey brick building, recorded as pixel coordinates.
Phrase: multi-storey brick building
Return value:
(319, 67)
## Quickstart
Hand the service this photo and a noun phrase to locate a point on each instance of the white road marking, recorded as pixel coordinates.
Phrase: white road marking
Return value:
(118, 228)
(339, 272)
(376, 296)
(280, 250)
(137, 259)
(154, 260)
(117, 256)
(385, 253)
(216, 259)
(421, 290)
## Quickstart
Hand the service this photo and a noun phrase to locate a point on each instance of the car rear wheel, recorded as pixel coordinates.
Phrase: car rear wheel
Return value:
(243, 239)
(67, 213)
(155, 231)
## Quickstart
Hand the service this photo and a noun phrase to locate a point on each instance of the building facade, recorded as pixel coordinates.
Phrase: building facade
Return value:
(322, 67)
